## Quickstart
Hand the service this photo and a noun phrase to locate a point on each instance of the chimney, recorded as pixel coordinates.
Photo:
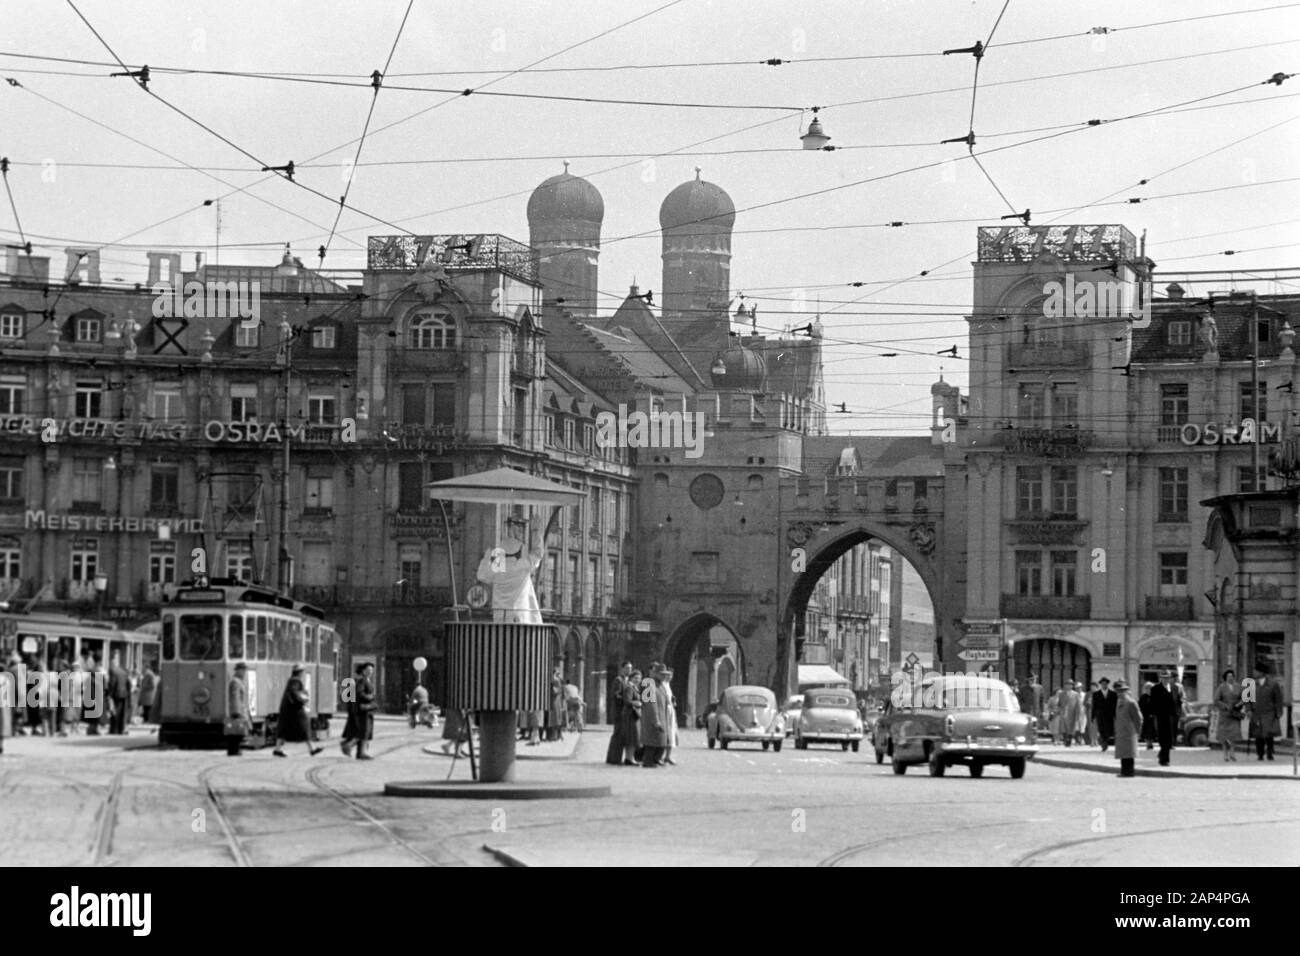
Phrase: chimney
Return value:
(1175, 291)
(164, 267)
(198, 262)
(83, 265)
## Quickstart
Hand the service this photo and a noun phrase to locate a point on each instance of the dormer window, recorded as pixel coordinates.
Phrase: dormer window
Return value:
(433, 330)
(324, 337)
(12, 325)
(89, 328)
(247, 336)
(1180, 332)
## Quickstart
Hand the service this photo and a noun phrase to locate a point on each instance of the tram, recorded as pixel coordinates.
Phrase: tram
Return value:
(51, 638)
(206, 628)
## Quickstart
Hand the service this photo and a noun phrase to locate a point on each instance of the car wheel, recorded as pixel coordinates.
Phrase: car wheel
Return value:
(856, 744)
(977, 770)
(1017, 768)
(937, 766)
(844, 745)
(712, 743)
(1198, 738)
(776, 745)
(880, 756)
(900, 768)
(766, 745)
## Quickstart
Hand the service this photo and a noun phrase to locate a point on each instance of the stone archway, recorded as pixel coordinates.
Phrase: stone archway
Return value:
(705, 656)
(823, 547)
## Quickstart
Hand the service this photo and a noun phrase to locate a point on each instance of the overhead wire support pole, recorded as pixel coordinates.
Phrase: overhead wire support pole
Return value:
(1254, 390)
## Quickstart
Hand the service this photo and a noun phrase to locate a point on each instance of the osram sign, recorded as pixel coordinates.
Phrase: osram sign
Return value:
(1212, 433)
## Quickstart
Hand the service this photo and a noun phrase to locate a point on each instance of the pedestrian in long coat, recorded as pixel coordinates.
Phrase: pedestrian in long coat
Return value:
(555, 712)
(1228, 709)
(239, 719)
(7, 697)
(1069, 705)
(295, 718)
(632, 719)
(1148, 716)
(1266, 712)
(667, 688)
(617, 740)
(360, 727)
(1128, 724)
(654, 718)
(1166, 705)
(1104, 703)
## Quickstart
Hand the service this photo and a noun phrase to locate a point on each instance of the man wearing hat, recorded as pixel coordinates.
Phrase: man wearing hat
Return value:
(509, 572)
(239, 720)
(1166, 704)
(655, 729)
(1127, 725)
(1103, 712)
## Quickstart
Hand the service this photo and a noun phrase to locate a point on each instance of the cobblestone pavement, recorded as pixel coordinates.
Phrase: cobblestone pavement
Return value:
(123, 801)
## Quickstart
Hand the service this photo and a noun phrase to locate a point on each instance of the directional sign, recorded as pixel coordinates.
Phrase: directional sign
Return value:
(981, 642)
(979, 655)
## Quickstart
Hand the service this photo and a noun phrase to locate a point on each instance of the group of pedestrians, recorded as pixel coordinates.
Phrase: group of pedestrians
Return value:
(71, 697)
(645, 718)
(1261, 706)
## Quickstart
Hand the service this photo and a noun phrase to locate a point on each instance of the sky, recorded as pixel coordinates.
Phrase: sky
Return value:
(810, 224)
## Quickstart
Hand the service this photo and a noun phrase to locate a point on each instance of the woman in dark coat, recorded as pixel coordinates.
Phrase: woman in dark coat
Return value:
(295, 718)
(360, 728)
(1148, 715)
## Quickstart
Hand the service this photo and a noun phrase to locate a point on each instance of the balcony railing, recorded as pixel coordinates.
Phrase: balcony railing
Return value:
(345, 595)
(1095, 243)
(1067, 354)
(1169, 434)
(1169, 608)
(406, 253)
(1045, 606)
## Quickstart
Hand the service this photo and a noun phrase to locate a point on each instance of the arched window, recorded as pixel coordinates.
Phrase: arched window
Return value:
(433, 330)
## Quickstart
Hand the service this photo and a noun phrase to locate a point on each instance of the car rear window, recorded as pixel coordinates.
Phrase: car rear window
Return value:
(830, 700)
(751, 700)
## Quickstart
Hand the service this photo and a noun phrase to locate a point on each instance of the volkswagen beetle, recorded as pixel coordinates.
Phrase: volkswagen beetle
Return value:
(749, 714)
(956, 719)
(829, 716)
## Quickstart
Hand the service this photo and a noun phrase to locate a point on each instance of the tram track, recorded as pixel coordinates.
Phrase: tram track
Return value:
(1032, 857)
(233, 843)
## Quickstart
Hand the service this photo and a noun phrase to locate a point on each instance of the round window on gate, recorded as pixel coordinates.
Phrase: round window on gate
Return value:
(706, 491)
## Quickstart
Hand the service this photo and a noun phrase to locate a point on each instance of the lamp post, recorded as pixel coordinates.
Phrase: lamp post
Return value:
(101, 588)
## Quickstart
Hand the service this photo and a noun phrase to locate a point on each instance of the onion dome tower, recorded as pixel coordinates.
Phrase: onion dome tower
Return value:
(696, 219)
(564, 217)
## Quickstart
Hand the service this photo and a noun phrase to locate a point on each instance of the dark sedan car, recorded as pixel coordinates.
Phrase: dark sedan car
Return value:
(958, 718)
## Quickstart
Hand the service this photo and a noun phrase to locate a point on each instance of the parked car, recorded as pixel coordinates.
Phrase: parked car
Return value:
(793, 707)
(957, 718)
(748, 714)
(1194, 728)
(829, 716)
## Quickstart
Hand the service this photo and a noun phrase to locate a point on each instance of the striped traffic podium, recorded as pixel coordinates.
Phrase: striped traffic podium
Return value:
(497, 670)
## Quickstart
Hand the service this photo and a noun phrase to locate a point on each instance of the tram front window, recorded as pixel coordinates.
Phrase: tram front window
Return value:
(200, 637)
(236, 637)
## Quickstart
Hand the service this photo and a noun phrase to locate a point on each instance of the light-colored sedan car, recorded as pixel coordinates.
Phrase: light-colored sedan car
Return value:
(829, 716)
(793, 707)
(956, 719)
(746, 713)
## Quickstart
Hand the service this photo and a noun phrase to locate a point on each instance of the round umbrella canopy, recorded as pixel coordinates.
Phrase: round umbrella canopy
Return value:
(504, 486)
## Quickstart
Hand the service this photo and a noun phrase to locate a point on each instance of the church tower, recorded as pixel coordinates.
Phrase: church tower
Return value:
(564, 217)
(696, 219)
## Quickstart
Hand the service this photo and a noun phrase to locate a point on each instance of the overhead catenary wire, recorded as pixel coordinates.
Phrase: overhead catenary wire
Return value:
(750, 62)
(378, 79)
